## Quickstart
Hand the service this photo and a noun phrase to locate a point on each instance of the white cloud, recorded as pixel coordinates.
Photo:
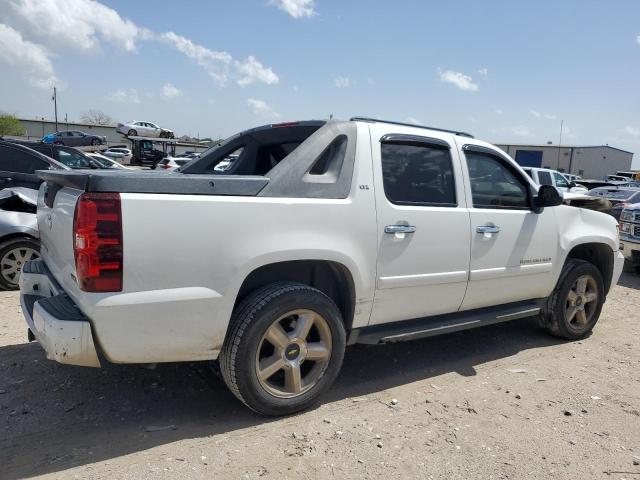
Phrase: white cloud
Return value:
(260, 108)
(498, 111)
(296, 8)
(460, 80)
(537, 114)
(123, 95)
(483, 71)
(214, 63)
(522, 131)
(638, 39)
(84, 25)
(27, 56)
(77, 24)
(343, 82)
(472, 119)
(370, 81)
(169, 90)
(251, 70)
(413, 120)
(633, 131)
(220, 65)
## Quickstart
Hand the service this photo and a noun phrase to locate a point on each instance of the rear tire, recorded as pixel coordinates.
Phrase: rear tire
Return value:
(284, 348)
(575, 305)
(13, 254)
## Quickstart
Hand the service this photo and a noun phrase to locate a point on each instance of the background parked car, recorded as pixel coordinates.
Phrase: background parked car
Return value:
(620, 198)
(121, 154)
(546, 176)
(18, 165)
(69, 156)
(18, 233)
(171, 163)
(74, 138)
(143, 129)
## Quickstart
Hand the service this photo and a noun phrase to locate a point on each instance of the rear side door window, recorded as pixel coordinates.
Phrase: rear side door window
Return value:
(15, 160)
(495, 183)
(417, 174)
(544, 178)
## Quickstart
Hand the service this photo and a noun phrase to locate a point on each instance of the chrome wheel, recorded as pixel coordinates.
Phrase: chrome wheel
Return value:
(294, 353)
(581, 303)
(12, 262)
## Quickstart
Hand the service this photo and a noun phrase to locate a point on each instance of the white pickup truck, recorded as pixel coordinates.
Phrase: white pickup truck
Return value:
(316, 236)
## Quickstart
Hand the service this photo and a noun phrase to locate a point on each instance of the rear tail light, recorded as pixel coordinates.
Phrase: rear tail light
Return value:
(97, 232)
(165, 166)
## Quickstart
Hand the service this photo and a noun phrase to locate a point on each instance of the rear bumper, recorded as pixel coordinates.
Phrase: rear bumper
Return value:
(55, 321)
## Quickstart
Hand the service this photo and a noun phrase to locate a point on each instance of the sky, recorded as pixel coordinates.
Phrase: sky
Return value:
(505, 71)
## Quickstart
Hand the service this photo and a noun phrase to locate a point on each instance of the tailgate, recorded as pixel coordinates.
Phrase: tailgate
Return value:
(56, 208)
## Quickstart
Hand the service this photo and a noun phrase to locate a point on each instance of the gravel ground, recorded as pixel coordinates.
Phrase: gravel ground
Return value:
(505, 401)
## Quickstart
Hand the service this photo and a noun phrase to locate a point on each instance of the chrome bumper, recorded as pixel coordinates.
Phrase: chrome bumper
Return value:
(57, 324)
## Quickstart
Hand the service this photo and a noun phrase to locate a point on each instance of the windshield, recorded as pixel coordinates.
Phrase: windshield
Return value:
(73, 158)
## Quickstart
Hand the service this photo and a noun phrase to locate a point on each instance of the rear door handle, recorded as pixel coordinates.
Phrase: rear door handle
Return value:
(399, 229)
(487, 229)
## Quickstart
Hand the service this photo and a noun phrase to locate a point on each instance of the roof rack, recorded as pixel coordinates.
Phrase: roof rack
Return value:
(375, 120)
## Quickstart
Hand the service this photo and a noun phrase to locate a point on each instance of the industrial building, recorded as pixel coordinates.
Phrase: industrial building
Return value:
(36, 128)
(588, 161)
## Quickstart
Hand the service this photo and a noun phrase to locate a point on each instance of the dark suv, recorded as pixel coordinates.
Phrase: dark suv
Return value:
(18, 165)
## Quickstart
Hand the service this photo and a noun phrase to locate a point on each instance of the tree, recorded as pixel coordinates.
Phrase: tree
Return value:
(96, 117)
(10, 125)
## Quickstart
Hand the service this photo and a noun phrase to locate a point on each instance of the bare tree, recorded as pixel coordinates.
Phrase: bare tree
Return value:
(96, 117)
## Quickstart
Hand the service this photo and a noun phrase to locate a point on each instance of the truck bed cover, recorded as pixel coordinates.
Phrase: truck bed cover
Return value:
(123, 181)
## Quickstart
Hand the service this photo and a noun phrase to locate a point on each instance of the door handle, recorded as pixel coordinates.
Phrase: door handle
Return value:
(487, 229)
(399, 229)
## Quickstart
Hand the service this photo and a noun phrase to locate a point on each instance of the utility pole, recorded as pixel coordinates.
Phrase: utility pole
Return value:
(55, 105)
(560, 142)
(66, 120)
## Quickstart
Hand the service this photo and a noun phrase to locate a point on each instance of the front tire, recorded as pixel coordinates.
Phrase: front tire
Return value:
(95, 142)
(575, 305)
(284, 348)
(132, 133)
(13, 255)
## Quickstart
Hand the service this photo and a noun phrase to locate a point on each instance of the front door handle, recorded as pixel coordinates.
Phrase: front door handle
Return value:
(399, 229)
(487, 229)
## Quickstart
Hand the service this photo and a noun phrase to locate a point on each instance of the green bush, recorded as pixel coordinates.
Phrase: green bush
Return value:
(10, 125)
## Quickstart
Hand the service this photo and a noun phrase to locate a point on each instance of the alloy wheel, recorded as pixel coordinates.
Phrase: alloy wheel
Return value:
(294, 353)
(13, 261)
(581, 303)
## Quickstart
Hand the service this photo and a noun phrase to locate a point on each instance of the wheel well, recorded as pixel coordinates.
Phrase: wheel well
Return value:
(600, 255)
(331, 278)
(16, 235)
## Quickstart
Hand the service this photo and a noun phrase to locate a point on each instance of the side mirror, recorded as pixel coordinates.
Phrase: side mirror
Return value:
(572, 184)
(547, 196)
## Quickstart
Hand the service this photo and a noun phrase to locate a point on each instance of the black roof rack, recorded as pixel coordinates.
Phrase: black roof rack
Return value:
(374, 120)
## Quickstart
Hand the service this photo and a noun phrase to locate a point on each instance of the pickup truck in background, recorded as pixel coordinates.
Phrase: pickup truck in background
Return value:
(546, 176)
(630, 235)
(316, 236)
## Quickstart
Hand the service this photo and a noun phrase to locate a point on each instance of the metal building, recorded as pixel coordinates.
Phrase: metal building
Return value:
(588, 161)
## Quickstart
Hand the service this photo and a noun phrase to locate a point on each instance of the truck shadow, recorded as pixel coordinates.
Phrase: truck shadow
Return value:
(57, 417)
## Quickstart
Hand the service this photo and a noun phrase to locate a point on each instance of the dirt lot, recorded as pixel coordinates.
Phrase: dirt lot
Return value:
(506, 401)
